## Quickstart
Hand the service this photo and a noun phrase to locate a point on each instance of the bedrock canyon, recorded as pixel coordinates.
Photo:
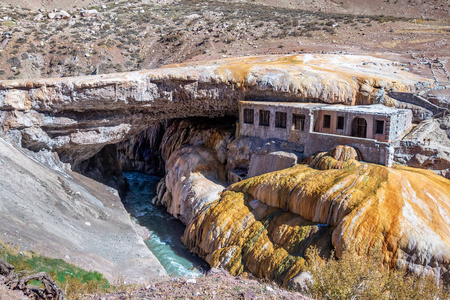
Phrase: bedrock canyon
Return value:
(265, 224)
(179, 122)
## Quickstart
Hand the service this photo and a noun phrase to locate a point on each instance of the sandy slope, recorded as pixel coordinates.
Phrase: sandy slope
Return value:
(70, 217)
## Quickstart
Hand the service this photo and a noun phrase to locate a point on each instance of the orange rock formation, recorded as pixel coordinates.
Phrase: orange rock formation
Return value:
(264, 224)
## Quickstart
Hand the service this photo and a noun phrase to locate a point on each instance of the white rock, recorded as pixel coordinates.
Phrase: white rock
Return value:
(191, 280)
(63, 15)
(51, 15)
(301, 281)
(89, 12)
(38, 17)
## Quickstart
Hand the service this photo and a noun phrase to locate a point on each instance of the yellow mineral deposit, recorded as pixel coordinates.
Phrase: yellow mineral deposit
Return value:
(264, 224)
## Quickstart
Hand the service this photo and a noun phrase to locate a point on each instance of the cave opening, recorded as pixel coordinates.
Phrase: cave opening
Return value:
(137, 165)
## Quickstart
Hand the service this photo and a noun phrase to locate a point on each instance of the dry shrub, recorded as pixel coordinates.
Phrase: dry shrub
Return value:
(357, 277)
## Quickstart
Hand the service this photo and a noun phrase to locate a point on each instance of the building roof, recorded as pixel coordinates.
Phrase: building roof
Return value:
(287, 104)
(360, 109)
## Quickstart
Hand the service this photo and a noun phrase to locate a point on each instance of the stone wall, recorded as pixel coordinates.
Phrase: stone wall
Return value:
(370, 150)
(416, 100)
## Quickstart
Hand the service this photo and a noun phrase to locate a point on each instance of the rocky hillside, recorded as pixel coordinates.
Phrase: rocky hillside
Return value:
(114, 36)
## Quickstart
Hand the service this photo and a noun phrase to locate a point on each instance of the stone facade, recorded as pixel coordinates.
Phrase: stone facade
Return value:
(372, 129)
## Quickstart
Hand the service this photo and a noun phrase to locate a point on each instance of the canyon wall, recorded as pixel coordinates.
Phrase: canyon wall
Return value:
(78, 116)
(195, 155)
(263, 224)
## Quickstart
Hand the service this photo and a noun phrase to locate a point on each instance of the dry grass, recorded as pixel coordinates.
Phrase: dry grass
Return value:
(357, 277)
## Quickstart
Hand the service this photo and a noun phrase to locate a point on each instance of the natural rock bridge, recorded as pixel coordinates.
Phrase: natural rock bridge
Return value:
(78, 116)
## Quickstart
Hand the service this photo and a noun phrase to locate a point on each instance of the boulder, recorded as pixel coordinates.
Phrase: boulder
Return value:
(272, 161)
(38, 17)
(64, 15)
(301, 281)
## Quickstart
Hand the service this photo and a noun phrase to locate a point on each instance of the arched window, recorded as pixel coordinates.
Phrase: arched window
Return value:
(359, 127)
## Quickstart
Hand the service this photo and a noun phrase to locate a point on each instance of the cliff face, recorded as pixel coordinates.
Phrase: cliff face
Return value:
(78, 116)
(195, 153)
(265, 223)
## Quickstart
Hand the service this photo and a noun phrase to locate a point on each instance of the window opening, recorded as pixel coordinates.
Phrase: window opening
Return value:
(264, 118)
(326, 121)
(379, 127)
(359, 128)
(298, 122)
(280, 119)
(340, 123)
(248, 116)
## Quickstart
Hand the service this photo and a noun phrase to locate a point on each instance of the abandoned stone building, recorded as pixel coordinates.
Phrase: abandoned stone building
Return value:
(314, 127)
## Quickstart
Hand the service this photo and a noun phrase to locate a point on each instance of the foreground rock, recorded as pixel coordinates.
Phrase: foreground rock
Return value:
(68, 216)
(217, 284)
(50, 291)
(266, 223)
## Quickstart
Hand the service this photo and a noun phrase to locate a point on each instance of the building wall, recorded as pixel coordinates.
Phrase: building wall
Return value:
(268, 132)
(399, 123)
(349, 117)
(375, 148)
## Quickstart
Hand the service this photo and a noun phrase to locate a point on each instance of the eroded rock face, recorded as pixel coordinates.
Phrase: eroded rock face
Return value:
(78, 116)
(265, 223)
(195, 156)
(427, 146)
(142, 152)
(195, 177)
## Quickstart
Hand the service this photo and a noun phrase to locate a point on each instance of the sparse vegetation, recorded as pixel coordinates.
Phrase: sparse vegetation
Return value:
(173, 31)
(358, 277)
(73, 280)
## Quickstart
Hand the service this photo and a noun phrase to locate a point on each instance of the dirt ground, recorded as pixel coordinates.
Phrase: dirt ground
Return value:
(217, 284)
(134, 35)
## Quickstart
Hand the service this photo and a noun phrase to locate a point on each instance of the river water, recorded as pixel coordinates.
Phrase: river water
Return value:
(165, 231)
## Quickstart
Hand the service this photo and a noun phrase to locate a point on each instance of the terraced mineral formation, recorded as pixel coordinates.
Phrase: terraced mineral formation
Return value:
(77, 116)
(264, 224)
